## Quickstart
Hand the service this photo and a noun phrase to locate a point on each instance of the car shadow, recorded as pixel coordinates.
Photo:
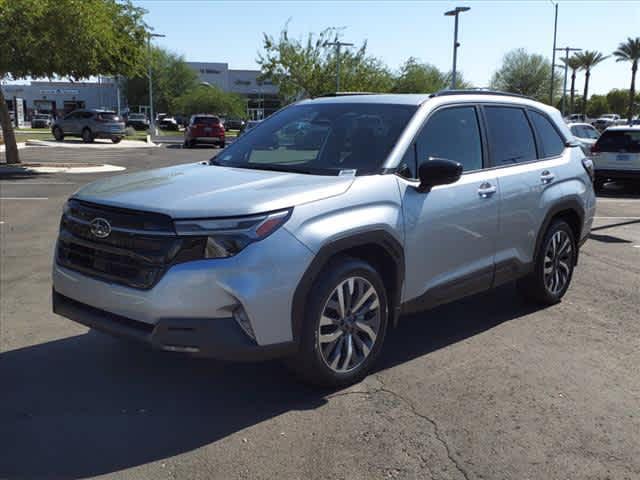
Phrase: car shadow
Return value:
(620, 189)
(90, 405)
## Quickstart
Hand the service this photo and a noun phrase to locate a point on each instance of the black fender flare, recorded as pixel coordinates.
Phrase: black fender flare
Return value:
(569, 204)
(380, 238)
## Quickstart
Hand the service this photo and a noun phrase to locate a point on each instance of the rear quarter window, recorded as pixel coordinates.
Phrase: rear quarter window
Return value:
(550, 140)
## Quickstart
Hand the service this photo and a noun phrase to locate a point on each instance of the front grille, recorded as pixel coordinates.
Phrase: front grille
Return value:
(137, 252)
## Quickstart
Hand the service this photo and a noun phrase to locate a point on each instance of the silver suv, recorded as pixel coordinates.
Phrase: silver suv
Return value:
(89, 125)
(310, 235)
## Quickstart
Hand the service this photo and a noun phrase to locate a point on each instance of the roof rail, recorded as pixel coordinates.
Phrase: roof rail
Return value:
(478, 91)
(344, 94)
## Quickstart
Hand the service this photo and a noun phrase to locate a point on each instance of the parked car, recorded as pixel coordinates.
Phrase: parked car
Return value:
(169, 123)
(234, 124)
(616, 155)
(576, 118)
(90, 124)
(137, 121)
(313, 254)
(41, 120)
(606, 120)
(585, 134)
(206, 129)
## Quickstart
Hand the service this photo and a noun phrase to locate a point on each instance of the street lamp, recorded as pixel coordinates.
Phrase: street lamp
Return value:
(553, 57)
(454, 13)
(152, 120)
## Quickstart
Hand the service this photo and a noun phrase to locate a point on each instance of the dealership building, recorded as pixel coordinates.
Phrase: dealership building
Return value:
(60, 98)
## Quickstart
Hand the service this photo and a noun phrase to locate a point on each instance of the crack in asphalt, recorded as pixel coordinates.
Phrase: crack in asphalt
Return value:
(383, 388)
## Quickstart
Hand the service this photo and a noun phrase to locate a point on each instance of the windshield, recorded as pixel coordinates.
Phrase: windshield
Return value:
(321, 139)
(619, 141)
(136, 116)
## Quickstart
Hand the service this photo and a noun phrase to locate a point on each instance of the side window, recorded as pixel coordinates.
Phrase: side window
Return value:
(454, 134)
(510, 136)
(552, 143)
(86, 115)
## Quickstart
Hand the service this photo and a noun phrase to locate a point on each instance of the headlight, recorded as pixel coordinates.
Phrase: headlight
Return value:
(225, 237)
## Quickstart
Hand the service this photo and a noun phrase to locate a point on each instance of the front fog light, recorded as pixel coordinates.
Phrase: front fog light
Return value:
(240, 316)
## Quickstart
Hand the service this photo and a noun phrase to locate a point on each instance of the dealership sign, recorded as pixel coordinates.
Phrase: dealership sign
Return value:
(59, 91)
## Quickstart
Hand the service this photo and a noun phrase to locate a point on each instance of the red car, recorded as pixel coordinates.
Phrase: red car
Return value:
(204, 129)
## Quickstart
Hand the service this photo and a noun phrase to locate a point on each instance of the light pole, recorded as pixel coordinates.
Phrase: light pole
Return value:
(152, 120)
(566, 66)
(553, 59)
(455, 13)
(338, 44)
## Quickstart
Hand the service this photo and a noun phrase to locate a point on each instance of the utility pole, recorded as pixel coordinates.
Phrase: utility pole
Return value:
(553, 60)
(152, 120)
(338, 44)
(455, 13)
(566, 67)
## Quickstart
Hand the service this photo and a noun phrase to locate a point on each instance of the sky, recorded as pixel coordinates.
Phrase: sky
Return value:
(232, 31)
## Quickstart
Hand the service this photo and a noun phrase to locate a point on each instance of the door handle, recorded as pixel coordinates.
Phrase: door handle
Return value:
(486, 190)
(547, 177)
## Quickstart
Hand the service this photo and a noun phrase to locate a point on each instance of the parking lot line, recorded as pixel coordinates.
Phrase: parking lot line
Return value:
(618, 218)
(24, 198)
(37, 183)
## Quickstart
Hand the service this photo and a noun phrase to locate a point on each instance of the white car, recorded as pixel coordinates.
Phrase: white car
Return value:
(585, 134)
(606, 120)
(616, 155)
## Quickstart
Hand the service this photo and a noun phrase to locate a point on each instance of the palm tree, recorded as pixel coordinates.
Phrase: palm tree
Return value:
(588, 60)
(574, 64)
(629, 51)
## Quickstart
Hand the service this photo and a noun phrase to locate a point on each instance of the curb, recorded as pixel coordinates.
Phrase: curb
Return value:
(20, 146)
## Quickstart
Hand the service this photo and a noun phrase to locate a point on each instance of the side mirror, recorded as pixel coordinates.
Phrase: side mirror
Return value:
(438, 171)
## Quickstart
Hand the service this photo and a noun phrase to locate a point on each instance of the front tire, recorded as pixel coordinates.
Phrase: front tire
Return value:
(554, 262)
(57, 134)
(116, 139)
(87, 136)
(344, 326)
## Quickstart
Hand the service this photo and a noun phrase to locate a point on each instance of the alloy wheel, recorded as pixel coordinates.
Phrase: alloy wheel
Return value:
(557, 262)
(349, 324)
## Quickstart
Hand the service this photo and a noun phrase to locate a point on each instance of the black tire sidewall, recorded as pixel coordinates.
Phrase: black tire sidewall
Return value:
(309, 359)
(90, 137)
(57, 134)
(539, 271)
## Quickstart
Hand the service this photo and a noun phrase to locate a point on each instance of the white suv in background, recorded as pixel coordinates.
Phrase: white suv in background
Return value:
(616, 155)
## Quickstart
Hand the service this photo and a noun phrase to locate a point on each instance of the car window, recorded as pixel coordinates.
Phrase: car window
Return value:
(590, 132)
(549, 138)
(510, 136)
(86, 115)
(619, 141)
(454, 134)
(206, 120)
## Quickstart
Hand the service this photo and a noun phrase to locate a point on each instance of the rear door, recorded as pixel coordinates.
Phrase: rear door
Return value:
(618, 150)
(450, 232)
(527, 154)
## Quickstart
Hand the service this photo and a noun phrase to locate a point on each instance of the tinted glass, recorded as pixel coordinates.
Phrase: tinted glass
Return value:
(510, 136)
(550, 139)
(206, 121)
(587, 132)
(453, 134)
(109, 116)
(322, 138)
(619, 141)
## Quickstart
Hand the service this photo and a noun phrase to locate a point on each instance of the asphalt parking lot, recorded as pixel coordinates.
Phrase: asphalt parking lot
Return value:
(487, 388)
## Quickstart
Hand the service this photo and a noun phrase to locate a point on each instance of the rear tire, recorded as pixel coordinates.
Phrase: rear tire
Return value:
(87, 136)
(339, 345)
(598, 184)
(116, 139)
(57, 134)
(553, 269)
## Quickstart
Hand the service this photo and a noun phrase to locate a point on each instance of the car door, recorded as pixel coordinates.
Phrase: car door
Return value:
(450, 232)
(67, 122)
(526, 153)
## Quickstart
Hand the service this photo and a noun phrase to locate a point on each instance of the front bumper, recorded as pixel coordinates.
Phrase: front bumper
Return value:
(218, 338)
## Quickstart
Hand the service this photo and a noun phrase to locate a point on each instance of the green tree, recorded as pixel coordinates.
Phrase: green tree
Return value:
(574, 65)
(67, 38)
(308, 68)
(597, 105)
(416, 77)
(588, 60)
(171, 78)
(629, 51)
(208, 99)
(525, 74)
(618, 100)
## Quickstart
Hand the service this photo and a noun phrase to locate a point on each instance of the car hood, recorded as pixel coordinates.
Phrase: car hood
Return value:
(203, 190)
